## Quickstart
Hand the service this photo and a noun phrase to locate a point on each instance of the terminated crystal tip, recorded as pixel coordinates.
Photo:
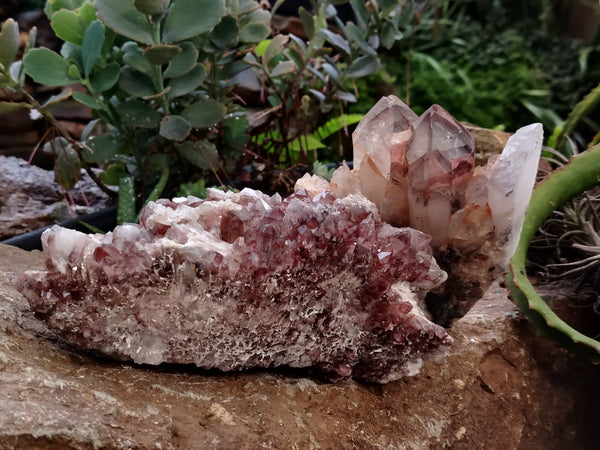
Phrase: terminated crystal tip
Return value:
(246, 280)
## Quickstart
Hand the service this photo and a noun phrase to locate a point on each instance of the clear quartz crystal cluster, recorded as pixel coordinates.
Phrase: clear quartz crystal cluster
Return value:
(420, 172)
(244, 280)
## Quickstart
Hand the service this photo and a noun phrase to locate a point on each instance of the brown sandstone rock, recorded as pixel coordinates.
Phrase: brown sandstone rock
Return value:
(501, 387)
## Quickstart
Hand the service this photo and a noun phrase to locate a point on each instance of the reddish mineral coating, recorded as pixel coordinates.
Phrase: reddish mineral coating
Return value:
(246, 280)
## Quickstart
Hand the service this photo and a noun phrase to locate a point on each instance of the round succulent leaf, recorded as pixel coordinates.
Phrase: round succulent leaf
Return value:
(122, 17)
(186, 83)
(68, 26)
(135, 83)
(260, 15)
(9, 42)
(161, 54)
(47, 67)
(101, 149)
(174, 128)
(105, 78)
(137, 113)
(87, 100)
(152, 7)
(67, 167)
(189, 18)
(204, 113)
(254, 32)
(202, 154)
(225, 33)
(93, 39)
(56, 5)
(72, 53)
(183, 62)
(134, 56)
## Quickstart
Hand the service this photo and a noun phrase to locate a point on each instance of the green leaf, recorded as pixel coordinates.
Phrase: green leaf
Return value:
(6, 107)
(47, 67)
(225, 33)
(126, 202)
(338, 42)
(254, 32)
(305, 143)
(174, 128)
(56, 5)
(140, 114)
(72, 53)
(186, 83)
(87, 100)
(189, 18)
(68, 26)
(235, 131)
(122, 17)
(9, 42)
(135, 83)
(307, 22)
(134, 56)
(274, 47)
(152, 7)
(183, 62)
(358, 37)
(67, 167)
(105, 78)
(92, 46)
(57, 98)
(202, 154)
(161, 54)
(261, 47)
(103, 148)
(204, 113)
(111, 176)
(363, 66)
(283, 68)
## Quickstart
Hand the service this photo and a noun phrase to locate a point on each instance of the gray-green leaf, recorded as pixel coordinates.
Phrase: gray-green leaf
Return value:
(122, 17)
(204, 113)
(189, 18)
(9, 42)
(183, 62)
(93, 40)
(187, 83)
(47, 67)
(174, 128)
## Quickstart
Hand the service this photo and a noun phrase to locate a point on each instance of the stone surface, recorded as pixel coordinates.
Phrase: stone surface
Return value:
(501, 387)
(31, 199)
(244, 280)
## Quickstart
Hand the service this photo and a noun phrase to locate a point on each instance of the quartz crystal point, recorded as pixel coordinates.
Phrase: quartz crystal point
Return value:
(246, 280)
(420, 172)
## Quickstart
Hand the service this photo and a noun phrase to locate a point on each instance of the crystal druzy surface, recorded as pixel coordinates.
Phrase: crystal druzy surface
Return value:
(246, 280)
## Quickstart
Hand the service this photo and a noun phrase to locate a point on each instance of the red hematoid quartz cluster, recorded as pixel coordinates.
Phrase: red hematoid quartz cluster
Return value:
(247, 280)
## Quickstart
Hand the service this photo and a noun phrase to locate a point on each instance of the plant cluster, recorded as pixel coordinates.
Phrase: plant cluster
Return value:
(160, 77)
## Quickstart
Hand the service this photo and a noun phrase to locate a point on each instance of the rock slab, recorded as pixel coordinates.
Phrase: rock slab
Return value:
(501, 387)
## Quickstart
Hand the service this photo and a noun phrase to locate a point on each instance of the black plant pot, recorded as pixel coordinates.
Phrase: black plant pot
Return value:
(105, 220)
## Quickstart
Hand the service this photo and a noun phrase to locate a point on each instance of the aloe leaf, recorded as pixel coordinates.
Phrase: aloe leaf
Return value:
(183, 62)
(579, 175)
(47, 67)
(189, 18)
(174, 128)
(93, 39)
(204, 113)
(122, 17)
(126, 201)
(159, 187)
(9, 42)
